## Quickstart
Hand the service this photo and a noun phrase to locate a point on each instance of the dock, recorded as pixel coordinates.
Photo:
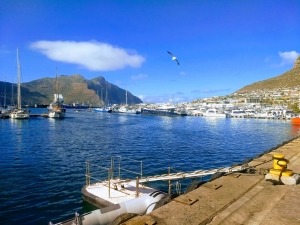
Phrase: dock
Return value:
(236, 198)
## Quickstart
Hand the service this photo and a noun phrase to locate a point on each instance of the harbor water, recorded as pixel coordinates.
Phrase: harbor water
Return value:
(42, 160)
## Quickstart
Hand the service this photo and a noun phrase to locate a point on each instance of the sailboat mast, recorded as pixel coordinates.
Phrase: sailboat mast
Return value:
(19, 80)
(4, 102)
(106, 97)
(56, 87)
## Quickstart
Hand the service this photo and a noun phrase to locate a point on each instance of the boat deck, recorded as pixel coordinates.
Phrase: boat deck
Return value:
(100, 195)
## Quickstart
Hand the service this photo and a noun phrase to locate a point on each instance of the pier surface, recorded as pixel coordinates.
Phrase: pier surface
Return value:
(237, 198)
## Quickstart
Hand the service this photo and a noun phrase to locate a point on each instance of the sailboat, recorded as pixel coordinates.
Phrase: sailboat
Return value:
(105, 107)
(4, 112)
(128, 110)
(56, 109)
(19, 113)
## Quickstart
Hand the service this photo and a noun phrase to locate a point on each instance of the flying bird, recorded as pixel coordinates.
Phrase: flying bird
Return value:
(173, 57)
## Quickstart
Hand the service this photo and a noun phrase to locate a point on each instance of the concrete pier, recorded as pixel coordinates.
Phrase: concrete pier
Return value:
(237, 198)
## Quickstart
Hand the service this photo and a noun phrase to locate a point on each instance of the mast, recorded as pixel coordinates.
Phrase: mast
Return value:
(12, 99)
(4, 102)
(103, 101)
(19, 80)
(106, 97)
(56, 87)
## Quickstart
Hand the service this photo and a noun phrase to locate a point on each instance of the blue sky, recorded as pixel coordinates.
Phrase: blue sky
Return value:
(222, 45)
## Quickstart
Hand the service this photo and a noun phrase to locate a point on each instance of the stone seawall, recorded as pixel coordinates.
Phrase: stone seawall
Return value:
(237, 198)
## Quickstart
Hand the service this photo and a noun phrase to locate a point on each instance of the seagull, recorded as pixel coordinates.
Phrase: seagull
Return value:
(173, 57)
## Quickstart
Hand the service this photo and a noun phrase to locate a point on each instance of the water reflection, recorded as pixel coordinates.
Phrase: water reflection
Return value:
(18, 123)
(295, 129)
(213, 120)
(122, 118)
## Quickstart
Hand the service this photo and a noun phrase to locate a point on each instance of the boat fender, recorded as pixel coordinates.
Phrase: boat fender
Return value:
(141, 205)
(166, 199)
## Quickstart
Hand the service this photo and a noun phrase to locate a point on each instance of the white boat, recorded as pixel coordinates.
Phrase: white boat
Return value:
(126, 109)
(214, 113)
(265, 115)
(115, 190)
(56, 109)
(4, 113)
(250, 112)
(164, 110)
(103, 109)
(238, 113)
(19, 113)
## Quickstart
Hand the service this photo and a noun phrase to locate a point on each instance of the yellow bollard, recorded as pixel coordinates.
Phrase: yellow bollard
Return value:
(279, 162)
(280, 166)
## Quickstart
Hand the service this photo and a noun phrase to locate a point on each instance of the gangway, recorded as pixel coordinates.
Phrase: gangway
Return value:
(194, 174)
(162, 177)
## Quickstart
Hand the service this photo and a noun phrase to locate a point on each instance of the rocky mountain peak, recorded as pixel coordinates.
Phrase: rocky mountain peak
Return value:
(297, 63)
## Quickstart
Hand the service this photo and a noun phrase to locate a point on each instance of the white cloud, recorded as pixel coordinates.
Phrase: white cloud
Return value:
(288, 58)
(139, 77)
(93, 55)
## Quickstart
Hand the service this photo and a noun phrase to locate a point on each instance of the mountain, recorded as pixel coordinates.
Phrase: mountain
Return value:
(289, 79)
(74, 88)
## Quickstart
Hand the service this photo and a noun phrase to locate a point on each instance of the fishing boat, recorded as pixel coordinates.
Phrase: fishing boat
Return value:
(19, 113)
(56, 109)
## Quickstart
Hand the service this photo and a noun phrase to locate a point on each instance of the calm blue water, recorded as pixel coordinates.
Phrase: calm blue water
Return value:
(42, 161)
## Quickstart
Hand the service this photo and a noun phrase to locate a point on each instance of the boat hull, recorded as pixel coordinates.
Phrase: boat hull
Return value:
(57, 115)
(214, 115)
(20, 114)
(103, 110)
(295, 120)
(161, 112)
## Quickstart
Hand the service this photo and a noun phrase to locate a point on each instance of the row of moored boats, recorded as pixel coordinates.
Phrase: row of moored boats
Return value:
(172, 110)
(55, 110)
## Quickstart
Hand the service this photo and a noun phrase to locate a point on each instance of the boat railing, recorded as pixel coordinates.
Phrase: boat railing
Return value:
(118, 165)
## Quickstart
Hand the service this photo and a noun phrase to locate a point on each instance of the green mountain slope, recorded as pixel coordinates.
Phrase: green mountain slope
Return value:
(289, 79)
(74, 88)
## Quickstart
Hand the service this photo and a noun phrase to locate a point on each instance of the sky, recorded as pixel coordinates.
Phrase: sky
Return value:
(221, 45)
